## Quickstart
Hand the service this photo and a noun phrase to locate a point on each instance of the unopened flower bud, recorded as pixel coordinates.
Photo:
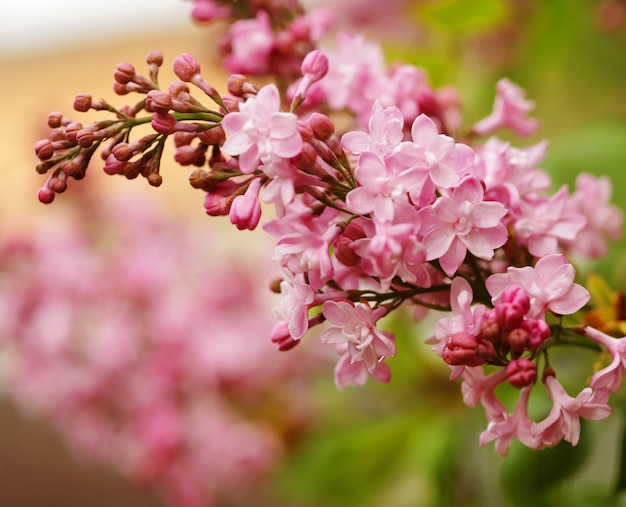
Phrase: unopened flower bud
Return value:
(521, 372)
(164, 123)
(518, 339)
(186, 67)
(158, 101)
(238, 85)
(123, 152)
(124, 73)
(154, 57)
(45, 195)
(82, 102)
(55, 120)
(71, 130)
(85, 137)
(112, 165)
(213, 136)
(315, 65)
(245, 210)
(517, 296)
(460, 349)
(281, 336)
(190, 155)
(321, 125)
(44, 149)
(490, 330)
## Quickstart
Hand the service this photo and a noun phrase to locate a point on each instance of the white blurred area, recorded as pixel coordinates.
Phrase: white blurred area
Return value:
(46, 26)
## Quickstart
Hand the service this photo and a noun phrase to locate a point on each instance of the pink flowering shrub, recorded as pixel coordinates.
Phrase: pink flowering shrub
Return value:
(146, 350)
(383, 200)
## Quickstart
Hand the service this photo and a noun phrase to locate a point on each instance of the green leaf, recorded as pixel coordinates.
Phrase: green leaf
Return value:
(461, 17)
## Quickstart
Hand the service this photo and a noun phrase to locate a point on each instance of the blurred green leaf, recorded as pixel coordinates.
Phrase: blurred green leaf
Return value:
(460, 17)
(528, 476)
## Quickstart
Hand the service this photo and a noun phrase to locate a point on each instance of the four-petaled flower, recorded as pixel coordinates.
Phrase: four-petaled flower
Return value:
(259, 131)
(549, 285)
(354, 325)
(461, 222)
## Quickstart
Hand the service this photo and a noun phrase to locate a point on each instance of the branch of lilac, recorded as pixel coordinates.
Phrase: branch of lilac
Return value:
(383, 200)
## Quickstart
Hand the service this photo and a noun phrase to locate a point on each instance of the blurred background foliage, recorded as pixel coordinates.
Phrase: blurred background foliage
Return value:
(413, 443)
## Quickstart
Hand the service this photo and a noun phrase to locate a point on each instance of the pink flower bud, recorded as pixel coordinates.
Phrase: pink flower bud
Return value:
(186, 67)
(82, 102)
(123, 152)
(164, 123)
(315, 65)
(521, 373)
(538, 331)
(113, 166)
(517, 296)
(124, 73)
(85, 137)
(204, 11)
(71, 130)
(45, 195)
(321, 125)
(281, 336)
(190, 155)
(518, 339)
(217, 202)
(158, 101)
(213, 136)
(44, 149)
(461, 349)
(245, 211)
(55, 120)
(490, 330)
(154, 57)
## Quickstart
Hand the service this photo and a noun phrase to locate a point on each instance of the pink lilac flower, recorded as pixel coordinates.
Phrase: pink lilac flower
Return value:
(510, 173)
(259, 131)
(505, 427)
(381, 189)
(394, 250)
(563, 421)
(603, 220)
(546, 221)
(298, 298)
(354, 325)
(462, 222)
(510, 110)
(464, 320)
(251, 43)
(609, 377)
(549, 285)
(385, 132)
(445, 159)
(355, 75)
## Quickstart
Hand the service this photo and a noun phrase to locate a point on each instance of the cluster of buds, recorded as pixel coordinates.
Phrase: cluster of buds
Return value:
(384, 200)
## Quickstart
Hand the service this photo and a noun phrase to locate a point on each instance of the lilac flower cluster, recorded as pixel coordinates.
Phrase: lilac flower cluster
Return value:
(384, 200)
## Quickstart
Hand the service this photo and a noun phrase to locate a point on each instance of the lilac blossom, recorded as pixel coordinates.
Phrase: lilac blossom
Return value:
(510, 110)
(549, 285)
(563, 421)
(354, 325)
(259, 130)
(462, 222)
(546, 221)
(609, 377)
